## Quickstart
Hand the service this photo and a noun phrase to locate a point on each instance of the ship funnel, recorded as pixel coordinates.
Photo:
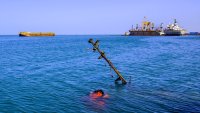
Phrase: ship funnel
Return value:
(161, 26)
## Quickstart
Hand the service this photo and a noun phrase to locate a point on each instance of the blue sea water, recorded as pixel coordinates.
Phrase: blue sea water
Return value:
(56, 74)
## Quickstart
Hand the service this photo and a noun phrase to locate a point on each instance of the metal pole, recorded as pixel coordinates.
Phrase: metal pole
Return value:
(96, 47)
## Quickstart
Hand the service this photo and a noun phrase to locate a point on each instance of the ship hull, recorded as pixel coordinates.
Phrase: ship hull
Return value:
(144, 33)
(34, 34)
(173, 35)
(174, 32)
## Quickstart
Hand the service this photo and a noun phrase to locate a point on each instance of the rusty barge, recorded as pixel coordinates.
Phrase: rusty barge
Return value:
(147, 29)
(33, 34)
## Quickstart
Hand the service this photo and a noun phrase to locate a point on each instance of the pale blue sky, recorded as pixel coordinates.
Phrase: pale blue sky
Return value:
(94, 16)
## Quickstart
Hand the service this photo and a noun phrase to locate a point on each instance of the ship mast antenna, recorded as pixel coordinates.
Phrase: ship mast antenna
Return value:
(102, 55)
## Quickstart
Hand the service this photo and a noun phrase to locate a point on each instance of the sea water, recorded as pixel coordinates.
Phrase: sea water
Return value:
(56, 74)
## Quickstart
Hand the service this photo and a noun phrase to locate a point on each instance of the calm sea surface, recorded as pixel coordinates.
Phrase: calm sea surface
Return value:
(56, 74)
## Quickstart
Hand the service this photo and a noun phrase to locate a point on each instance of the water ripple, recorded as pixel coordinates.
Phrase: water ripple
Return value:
(57, 74)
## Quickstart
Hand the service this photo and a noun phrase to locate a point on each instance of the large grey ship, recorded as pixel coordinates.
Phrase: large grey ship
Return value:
(174, 30)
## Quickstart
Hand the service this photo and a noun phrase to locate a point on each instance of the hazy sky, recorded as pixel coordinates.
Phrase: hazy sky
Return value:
(94, 16)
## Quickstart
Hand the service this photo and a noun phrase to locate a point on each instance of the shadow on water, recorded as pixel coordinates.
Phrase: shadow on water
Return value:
(119, 87)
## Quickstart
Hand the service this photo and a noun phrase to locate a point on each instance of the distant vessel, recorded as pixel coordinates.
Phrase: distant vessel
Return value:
(29, 34)
(147, 29)
(174, 30)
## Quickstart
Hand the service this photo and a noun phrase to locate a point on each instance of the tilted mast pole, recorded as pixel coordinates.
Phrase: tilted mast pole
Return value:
(96, 47)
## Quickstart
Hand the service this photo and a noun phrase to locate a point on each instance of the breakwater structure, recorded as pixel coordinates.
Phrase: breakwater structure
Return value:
(33, 34)
(194, 33)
